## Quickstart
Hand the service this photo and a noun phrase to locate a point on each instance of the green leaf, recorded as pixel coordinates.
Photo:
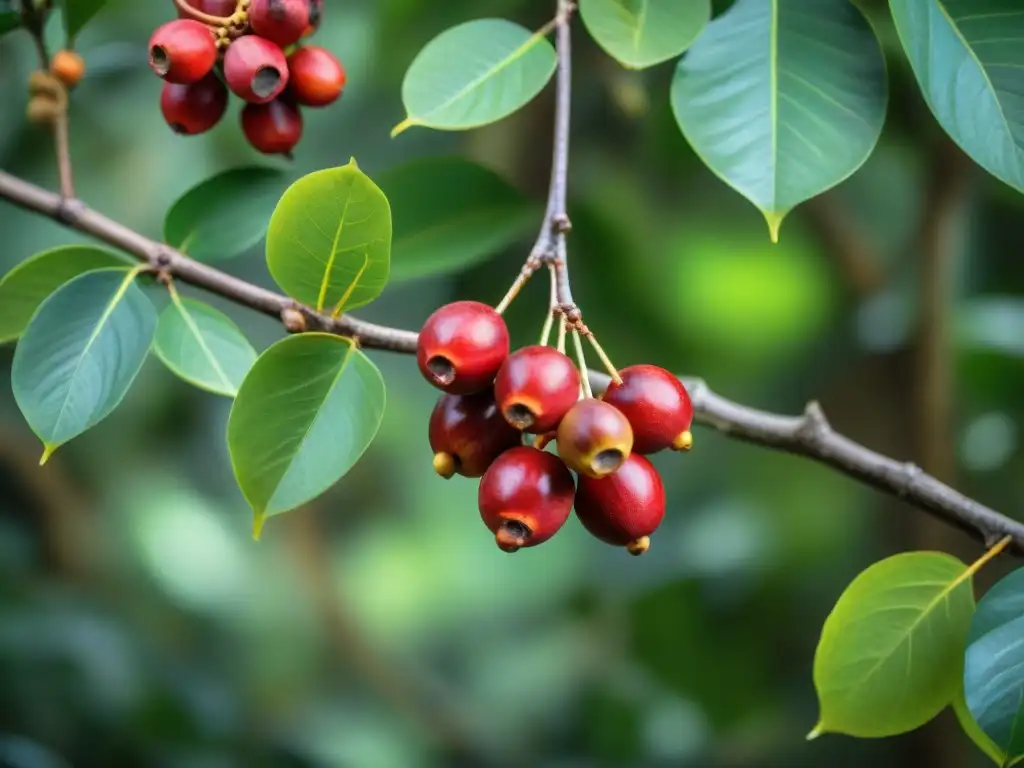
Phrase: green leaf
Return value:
(642, 33)
(329, 241)
(783, 99)
(890, 651)
(994, 665)
(450, 213)
(9, 20)
(23, 289)
(224, 216)
(474, 74)
(973, 731)
(203, 346)
(78, 13)
(968, 58)
(309, 408)
(81, 351)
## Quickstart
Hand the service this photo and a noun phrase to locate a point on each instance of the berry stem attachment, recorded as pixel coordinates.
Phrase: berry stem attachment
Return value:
(605, 360)
(582, 358)
(517, 285)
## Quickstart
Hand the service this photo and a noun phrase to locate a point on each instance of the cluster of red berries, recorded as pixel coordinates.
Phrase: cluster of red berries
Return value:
(494, 396)
(252, 48)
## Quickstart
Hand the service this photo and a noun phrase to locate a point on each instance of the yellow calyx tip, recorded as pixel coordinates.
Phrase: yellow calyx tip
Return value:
(816, 731)
(444, 464)
(684, 442)
(48, 451)
(403, 126)
(257, 525)
(639, 546)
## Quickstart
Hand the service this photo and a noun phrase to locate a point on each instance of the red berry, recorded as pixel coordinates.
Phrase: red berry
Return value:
(626, 507)
(657, 406)
(467, 433)
(194, 108)
(255, 69)
(274, 128)
(461, 347)
(222, 8)
(315, 77)
(594, 438)
(282, 21)
(525, 497)
(182, 51)
(536, 387)
(316, 14)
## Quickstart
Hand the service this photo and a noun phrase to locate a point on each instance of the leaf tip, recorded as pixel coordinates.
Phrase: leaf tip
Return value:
(353, 164)
(774, 220)
(257, 525)
(402, 127)
(816, 731)
(48, 450)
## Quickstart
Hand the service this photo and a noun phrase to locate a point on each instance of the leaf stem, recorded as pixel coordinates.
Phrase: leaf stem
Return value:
(993, 552)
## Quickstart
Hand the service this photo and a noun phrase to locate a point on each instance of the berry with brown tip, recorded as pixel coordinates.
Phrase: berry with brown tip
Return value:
(274, 128)
(68, 67)
(525, 497)
(535, 387)
(467, 433)
(657, 405)
(282, 21)
(196, 107)
(315, 77)
(182, 51)
(624, 508)
(255, 69)
(461, 346)
(594, 438)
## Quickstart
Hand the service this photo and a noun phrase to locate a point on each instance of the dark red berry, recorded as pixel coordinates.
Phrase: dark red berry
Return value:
(194, 108)
(221, 8)
(182, 51)
(316, 14)
(535, 387)
(467, 433)
(461, 347)
(282, 21)
(657, 405)
(624, 508)
(316, 78)
(255, 69)
(594, 438)
(525, 497)
(274, 128)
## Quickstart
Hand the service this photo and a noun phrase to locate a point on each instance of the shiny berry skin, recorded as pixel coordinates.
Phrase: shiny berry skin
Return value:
(222, 8)
(657, 405)
(255, 69)
(594, 438)
(316, 78)
(68, 67)
(194, 108)
(626, 507)
(182, 51)
(536, 387)
(461, 347)
(467, 433)
(281, 21)
(274, 128)
(525, 497)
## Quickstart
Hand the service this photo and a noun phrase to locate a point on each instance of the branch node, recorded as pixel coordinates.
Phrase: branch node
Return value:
(560, 223)
(294, 320)
(68, 211)
(163, 258)
(815, 423)
(911, 474)
(991, 538)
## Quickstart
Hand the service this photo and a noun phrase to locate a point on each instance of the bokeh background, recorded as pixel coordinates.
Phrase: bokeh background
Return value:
(140, 625)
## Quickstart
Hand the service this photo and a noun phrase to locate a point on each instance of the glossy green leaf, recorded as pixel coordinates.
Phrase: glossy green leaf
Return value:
(23, 289)
(890, 650)
(973, 731)
(783, 99)
(78, 13)
(80, 353)
(329, 241)
(203, 346)
(968, 57)
(309, 408)
(450, 213)
(474, 74)
(642, 33)
(994, 665)
(224, 216)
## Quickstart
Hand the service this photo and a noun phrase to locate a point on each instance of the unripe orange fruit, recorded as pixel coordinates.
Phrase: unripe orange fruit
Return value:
(68, 67)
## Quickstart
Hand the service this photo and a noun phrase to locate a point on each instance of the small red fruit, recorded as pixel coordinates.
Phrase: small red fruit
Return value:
(535, 387)
(467, 433)
(182, 51)
(594, 438)
(282, 21)
(274, 128)
(194, 108)
(657, 405)
(255, 69)
(625, 508)
(525, 497)
(461, 347)
(221, 8)
(68, 67)
(316, 13)
(316, 78)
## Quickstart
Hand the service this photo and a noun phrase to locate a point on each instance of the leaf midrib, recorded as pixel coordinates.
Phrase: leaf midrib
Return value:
(201, 341)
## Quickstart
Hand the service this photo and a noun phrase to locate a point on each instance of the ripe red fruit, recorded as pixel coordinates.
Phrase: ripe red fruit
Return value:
(282, 21)
(194, 108)
(274, 128)
(626, 507)
(222, 8)
(657, 405)
(255, 69)
(316, 78)
(316, 13)
(467, 433)
(68, 67)
(525, 497)
(535, 387)
(594, 438)
(461, 347)
(182, 51)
